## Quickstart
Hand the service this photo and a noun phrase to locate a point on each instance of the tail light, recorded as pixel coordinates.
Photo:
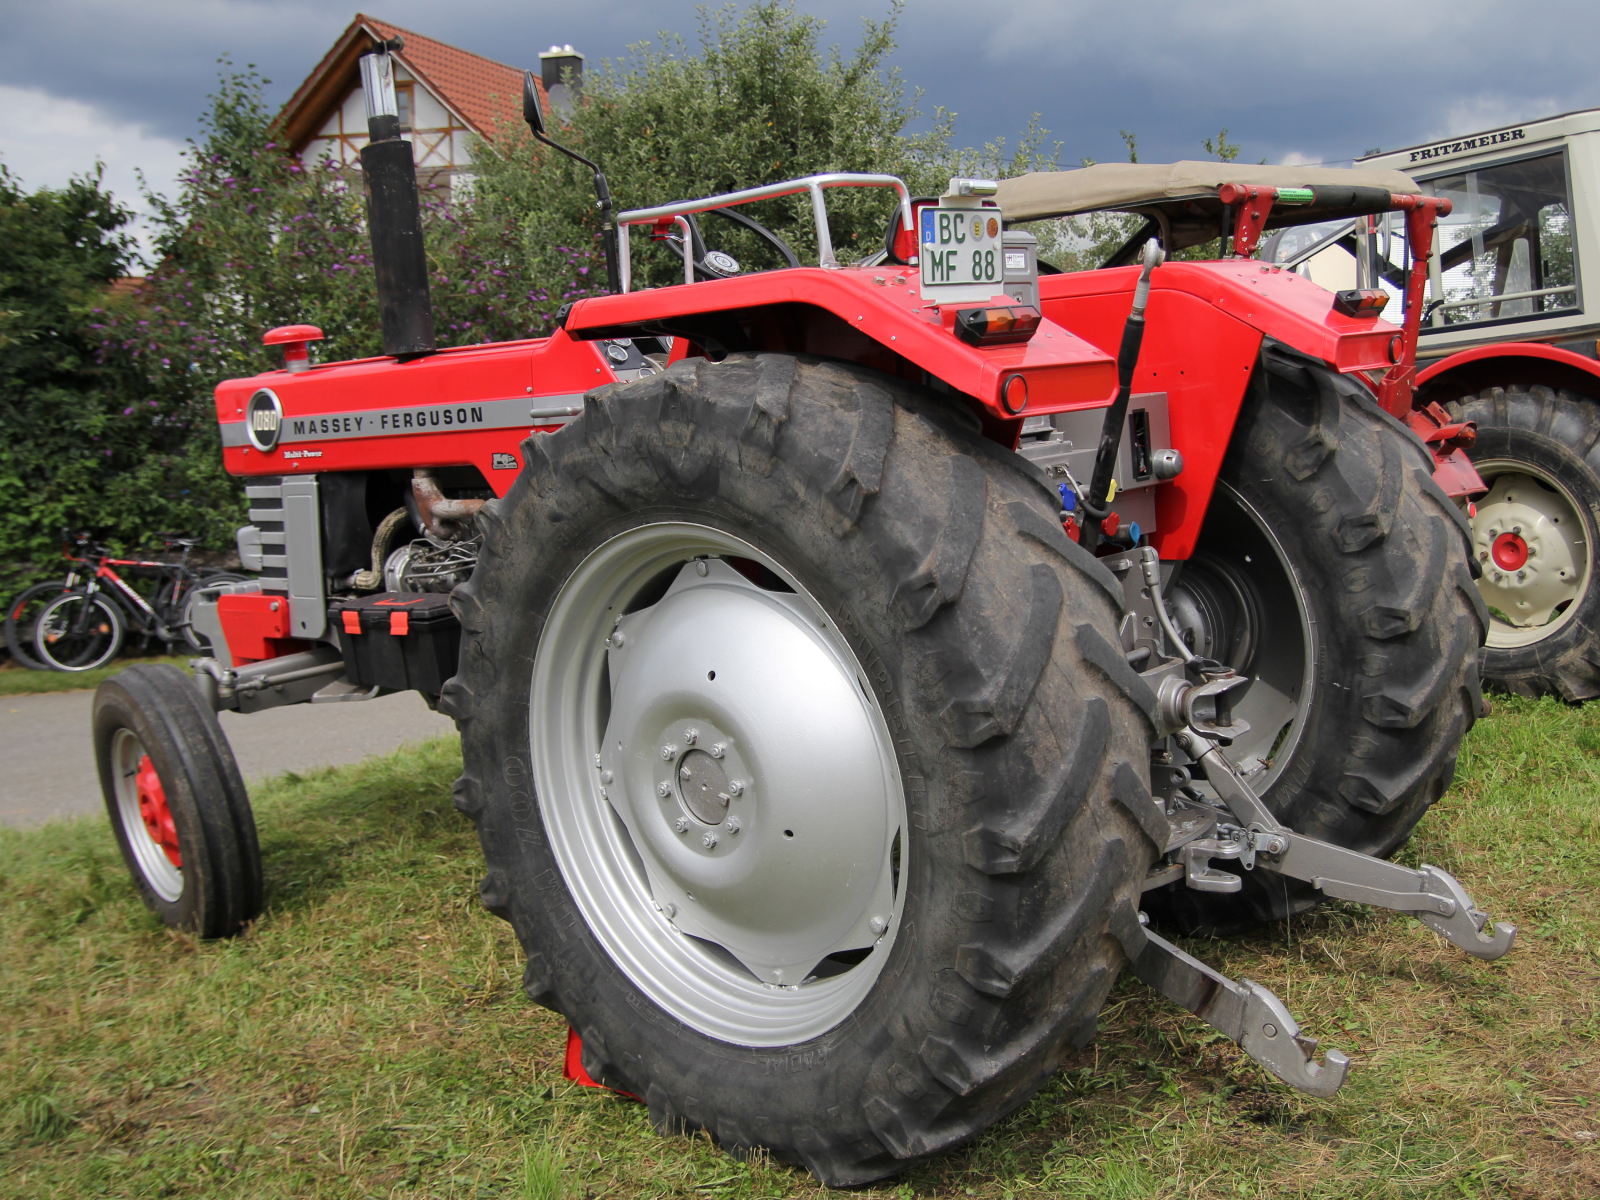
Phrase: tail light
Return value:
(996, 326)
(1361, 302)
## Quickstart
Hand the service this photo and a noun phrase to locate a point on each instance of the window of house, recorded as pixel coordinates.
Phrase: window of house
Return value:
(402, 97)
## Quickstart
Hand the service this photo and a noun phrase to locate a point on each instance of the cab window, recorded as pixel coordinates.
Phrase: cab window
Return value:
(1506, 250)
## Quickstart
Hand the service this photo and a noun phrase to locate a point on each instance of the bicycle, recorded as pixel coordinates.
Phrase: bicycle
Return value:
(78, 624)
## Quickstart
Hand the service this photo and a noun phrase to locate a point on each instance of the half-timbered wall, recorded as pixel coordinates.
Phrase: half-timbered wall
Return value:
(438, 136)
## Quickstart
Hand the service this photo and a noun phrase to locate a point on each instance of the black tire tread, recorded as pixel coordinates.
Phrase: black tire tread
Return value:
(1058, 820)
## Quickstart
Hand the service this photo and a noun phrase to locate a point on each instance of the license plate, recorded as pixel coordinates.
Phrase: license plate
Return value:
(961, 247)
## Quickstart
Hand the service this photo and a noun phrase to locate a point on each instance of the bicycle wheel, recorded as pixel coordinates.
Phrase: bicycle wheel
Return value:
(185, 625)
(65, 638)
(21, 617)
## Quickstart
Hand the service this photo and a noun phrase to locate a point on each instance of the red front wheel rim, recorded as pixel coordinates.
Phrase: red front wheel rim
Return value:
(155, 812)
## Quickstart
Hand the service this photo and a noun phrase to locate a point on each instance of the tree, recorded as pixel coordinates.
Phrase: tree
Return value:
(759, 102)
(59, 249)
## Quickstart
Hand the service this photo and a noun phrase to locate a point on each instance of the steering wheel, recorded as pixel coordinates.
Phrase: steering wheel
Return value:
(716, 264)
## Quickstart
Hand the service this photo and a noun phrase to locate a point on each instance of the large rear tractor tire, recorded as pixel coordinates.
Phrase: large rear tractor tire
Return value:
(791, 763)
(1535, 535)
(177, 804)
(1333, 571)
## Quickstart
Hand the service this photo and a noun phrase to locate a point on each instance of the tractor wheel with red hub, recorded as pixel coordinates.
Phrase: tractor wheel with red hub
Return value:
(1333, 572)
(1535, 535)
(176, 801)
(796, 737)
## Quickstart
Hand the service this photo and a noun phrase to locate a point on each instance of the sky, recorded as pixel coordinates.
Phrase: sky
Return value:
(1293, 81)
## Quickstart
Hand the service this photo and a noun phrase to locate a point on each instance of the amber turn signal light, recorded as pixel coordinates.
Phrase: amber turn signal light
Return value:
(996, 326)
(1361, 302)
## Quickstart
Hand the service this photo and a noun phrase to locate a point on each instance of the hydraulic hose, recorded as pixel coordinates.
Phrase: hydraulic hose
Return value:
(1097, 504)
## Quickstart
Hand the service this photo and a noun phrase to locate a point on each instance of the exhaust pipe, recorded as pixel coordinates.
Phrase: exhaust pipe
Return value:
(394, 215)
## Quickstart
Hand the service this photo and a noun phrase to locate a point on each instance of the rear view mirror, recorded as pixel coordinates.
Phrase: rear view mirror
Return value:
(532, 113)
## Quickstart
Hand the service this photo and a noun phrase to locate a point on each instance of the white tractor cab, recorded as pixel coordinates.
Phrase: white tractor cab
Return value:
(1508, 341)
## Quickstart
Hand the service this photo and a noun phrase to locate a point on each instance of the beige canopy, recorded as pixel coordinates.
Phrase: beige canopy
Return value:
(1182, 198)
(1130, 187)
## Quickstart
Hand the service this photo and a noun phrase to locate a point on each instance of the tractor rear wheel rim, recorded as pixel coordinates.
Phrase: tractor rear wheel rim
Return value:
(139, 807)
(718, 783)
(1242, 572)
(1531, 544)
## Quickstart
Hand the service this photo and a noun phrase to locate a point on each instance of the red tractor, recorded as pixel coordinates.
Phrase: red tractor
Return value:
(846, 658)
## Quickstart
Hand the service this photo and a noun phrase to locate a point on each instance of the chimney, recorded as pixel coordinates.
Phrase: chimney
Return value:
(553, 64)
(394, 215)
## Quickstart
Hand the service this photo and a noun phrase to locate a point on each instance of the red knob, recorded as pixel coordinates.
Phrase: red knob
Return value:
(294, 340)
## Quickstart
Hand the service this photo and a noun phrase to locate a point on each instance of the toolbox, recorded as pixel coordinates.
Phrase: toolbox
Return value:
(408, 641)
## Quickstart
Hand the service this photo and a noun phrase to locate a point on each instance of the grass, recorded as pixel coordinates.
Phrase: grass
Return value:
(369, 1037)
(17, 680)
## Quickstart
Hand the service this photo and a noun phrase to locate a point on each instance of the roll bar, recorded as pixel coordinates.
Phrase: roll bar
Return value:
(814, 184)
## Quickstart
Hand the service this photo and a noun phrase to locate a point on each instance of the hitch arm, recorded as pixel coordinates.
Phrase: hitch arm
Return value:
(1243, 1011)
(1435, 896)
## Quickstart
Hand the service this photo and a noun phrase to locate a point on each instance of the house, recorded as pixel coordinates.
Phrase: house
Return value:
(445, 95)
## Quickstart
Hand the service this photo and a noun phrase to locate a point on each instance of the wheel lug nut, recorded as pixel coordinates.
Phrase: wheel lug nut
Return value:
(718, 750)
(615, 640)
(700, 567)
(606, 777)
(691, 736)
(681, 824)
(669, 910)
(733, 825)
(664, 789)
(669, 752)
(709, 841)
(596, 762)
(877, 924)
(735, 787)
(1521, 575)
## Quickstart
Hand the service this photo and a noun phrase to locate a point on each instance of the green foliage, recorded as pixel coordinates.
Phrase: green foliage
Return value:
(541, 1173)
(759, 102)
(59, 248)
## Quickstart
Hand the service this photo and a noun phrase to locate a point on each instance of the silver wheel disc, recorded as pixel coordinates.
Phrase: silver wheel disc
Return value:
(719, 785)
(165, 880)
(1241, 601)
(1531, 545)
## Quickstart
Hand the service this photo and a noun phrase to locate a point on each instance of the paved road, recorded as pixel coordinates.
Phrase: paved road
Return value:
(47, 761)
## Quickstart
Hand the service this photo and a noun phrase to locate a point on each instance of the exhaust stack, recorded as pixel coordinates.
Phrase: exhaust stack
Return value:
(394, 215)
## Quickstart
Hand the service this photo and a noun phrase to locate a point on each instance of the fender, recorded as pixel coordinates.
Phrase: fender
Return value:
(1468, 372)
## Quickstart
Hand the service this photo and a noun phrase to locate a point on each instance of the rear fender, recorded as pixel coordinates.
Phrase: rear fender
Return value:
(872, 316)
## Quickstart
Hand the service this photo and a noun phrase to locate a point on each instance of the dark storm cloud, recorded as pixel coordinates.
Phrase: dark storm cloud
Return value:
(1300, 78)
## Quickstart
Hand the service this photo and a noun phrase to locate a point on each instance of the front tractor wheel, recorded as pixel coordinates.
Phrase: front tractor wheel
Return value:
(176, 802)
(1534, 535)
(789, 765)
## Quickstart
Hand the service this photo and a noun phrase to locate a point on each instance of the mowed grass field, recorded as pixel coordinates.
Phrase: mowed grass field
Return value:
(369, 1037)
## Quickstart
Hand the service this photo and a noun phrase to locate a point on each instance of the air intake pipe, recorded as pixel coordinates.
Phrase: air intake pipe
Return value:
(394, 215)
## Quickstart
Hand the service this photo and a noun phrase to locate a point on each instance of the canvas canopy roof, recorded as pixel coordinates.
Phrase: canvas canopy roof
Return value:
(1181, 197)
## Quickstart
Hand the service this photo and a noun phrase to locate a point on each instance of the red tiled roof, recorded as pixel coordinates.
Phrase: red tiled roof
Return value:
(484, 93)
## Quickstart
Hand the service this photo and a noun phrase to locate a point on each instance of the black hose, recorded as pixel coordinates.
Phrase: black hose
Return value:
(1097, 504)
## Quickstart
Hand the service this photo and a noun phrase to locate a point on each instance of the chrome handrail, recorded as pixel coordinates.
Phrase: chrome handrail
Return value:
(814, 184)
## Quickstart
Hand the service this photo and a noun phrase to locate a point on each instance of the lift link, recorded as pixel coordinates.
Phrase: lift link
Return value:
(1244, 1011)
(1435, 896)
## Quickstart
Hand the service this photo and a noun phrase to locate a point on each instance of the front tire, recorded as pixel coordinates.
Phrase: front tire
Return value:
(1538, 449)
(176, 802)
(797, 585)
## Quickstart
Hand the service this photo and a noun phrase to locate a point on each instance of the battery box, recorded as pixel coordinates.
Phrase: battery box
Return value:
(408, 641)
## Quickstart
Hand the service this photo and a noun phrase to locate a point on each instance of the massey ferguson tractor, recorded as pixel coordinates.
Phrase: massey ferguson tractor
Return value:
(848, 658)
